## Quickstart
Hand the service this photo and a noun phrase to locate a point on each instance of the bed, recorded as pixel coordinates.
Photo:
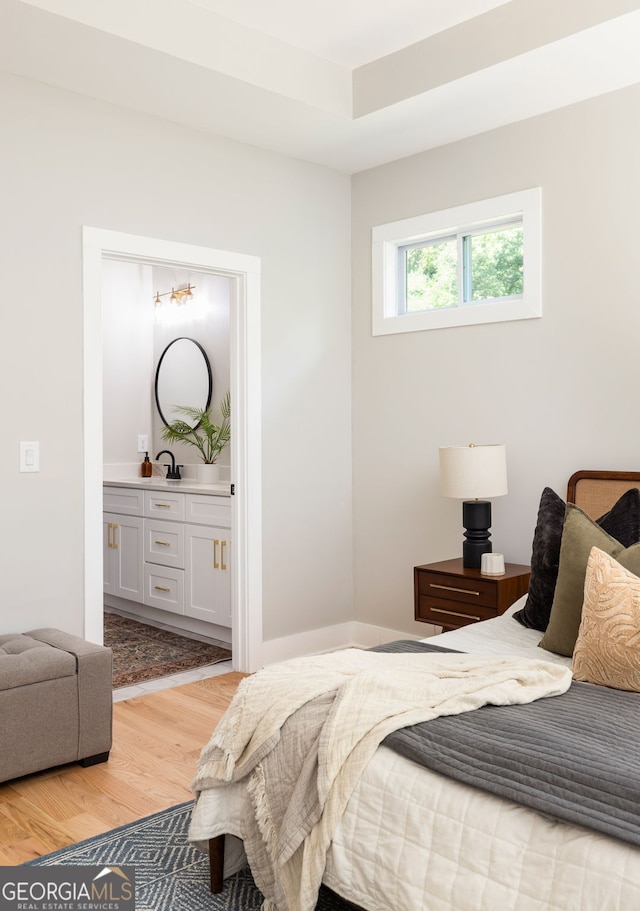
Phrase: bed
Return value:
(415, 839)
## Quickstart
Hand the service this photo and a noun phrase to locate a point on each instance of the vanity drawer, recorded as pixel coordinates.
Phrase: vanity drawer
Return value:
(164, 588)
(164, 543)
(162, 504)
(125, 500)
(208, 510)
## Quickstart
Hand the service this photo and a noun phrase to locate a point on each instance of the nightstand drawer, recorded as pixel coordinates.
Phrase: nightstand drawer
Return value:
(449, 595)
(446, 612)
(457, 588)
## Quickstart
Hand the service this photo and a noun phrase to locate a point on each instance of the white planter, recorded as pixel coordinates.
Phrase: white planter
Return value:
(208, 474)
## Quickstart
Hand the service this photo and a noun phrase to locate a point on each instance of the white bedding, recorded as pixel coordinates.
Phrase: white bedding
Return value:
(413, 840)
(501, 636)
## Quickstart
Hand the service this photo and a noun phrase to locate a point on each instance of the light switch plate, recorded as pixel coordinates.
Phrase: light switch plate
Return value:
(143, 442)
(29, 456)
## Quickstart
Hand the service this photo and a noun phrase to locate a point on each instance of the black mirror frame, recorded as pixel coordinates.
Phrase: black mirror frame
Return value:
(209, 375)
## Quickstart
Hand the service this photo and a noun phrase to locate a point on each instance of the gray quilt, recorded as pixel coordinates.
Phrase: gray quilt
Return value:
(575, 757)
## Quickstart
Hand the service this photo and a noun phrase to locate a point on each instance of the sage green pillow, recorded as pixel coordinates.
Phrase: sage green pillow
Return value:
(579, 535)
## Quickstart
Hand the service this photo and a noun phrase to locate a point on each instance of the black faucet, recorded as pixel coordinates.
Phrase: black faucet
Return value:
(173, 470)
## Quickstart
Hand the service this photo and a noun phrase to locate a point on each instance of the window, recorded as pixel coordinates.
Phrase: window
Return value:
(477, 263)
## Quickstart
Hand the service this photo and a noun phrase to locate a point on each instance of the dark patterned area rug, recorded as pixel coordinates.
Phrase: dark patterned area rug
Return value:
(170, 875)
(142, 652)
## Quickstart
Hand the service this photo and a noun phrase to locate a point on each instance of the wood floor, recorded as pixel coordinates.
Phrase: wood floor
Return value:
(156, 743)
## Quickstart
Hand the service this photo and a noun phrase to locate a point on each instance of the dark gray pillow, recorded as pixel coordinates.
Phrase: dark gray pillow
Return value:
(622, 522)
(545, 558)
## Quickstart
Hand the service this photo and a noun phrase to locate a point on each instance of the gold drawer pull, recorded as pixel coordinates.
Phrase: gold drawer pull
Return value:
(162, 505)
(161, 588)
(163, 543)
(216, 565)
(452, 613)
(109, 530)
(115, 536)
(450, 588)
(223, 565)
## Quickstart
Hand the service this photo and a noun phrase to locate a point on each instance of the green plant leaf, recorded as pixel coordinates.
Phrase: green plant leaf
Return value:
(208, 438)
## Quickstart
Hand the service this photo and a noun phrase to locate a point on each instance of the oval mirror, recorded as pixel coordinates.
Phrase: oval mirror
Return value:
(183, 378)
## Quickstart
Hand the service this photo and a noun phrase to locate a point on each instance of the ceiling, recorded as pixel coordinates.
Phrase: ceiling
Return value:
(348, 84)
(349, 32)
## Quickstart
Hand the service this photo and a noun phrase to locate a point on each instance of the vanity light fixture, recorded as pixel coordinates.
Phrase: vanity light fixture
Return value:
(178, 296)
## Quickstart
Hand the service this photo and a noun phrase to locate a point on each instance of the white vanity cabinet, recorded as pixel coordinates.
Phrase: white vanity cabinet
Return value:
(122, 545)
(182, 553)
(122, 531)
(207, 555)
(208, 595)
(164, 564)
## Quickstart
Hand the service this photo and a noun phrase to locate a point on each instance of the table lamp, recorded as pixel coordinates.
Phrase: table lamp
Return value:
(473, 474)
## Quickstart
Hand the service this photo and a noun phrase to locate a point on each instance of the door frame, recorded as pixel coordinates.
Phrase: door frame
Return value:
(245, 385)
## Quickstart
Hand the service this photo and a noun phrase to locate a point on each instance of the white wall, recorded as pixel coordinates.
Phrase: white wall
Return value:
(127, 336)
(205, 319)
(135, 334)
(559, 391)
(68, 162)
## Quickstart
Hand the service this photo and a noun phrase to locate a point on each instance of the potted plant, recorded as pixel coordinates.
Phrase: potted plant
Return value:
(208, 438)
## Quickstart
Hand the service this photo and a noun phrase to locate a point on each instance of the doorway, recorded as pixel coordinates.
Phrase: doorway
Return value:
(243, 272)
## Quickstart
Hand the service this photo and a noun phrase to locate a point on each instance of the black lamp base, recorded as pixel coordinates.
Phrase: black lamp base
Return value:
(476, 518)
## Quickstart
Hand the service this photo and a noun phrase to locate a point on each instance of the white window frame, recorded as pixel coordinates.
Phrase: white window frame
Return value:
(389, 314)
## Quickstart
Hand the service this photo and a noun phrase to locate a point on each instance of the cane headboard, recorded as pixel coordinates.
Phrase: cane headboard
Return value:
(597, 491)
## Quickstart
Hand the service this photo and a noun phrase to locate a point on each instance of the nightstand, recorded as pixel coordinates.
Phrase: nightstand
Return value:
(448, 595)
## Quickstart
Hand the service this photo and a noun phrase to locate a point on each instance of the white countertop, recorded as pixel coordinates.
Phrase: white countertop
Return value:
(186, 485)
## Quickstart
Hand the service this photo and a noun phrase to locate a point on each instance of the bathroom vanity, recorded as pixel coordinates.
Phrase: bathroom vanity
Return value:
(167, 547)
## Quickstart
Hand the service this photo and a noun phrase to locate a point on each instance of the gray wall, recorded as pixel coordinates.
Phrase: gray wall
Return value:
(69, 161)
(559, 391)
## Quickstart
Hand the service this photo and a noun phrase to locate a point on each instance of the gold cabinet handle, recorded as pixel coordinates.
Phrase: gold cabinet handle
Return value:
(109, 528)
(216, 565)
(161, 588)
(450, 588)
(162, 505)
(163, 543)
(452, 613)
(115, 536)
(223, 565)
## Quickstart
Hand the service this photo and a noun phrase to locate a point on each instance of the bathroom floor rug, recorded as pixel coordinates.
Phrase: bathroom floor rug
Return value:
(142, 652)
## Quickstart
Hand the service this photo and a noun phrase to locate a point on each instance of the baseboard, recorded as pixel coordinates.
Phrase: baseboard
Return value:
(330, 638)
(178, 622)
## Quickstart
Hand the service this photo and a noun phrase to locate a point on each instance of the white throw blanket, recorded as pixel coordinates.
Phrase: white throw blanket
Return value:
(302, 731)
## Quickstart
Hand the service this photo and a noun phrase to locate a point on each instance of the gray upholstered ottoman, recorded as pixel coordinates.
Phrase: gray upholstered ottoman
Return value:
(55, 702)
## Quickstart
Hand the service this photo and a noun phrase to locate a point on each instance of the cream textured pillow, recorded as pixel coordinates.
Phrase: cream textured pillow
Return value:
(608, 646)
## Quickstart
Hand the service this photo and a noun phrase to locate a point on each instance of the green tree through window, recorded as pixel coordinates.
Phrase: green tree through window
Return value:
(496, 264)
(432, 276)
(492, 269)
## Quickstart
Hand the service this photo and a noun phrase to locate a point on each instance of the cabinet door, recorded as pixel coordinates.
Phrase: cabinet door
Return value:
(123, 556)
(108, 554)
(208, 574)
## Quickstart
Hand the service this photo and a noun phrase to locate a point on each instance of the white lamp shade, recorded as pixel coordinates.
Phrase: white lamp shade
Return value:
(473, 472)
